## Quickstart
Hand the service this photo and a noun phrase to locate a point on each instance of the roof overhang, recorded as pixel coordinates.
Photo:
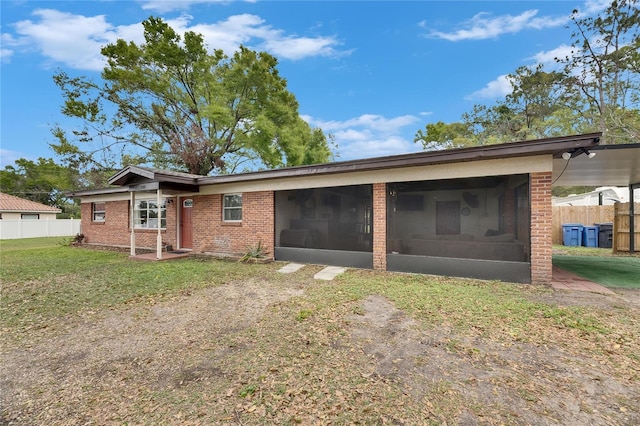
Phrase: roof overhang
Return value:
(613, 165)
(140, 179)
(553, 146)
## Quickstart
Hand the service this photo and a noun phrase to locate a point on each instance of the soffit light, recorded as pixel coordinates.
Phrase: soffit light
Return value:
(568, 155)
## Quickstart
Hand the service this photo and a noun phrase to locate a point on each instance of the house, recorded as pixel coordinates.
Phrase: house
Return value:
(602, 196)
(482, 212)
(15, 208)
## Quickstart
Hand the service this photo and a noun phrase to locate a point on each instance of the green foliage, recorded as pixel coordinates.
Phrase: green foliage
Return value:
(598, 89)
(178, 106)
(255, 252)
(304, 314)
(601, 75)
(563, 191)
(43, 181)
(248, 391)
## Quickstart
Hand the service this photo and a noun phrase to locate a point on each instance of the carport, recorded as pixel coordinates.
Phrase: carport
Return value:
(602, 165)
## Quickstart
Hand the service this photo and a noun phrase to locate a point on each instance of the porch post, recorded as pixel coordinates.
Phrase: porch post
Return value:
(380, 226)
(132, 221)
(159, 237)
(541, 228)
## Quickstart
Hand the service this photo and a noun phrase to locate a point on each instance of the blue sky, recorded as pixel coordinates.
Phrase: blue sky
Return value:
(372, 73)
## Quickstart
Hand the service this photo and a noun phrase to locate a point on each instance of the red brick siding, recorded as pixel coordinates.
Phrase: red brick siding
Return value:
(212, 235)
(380, 226)
(541, 228)
(115, 231)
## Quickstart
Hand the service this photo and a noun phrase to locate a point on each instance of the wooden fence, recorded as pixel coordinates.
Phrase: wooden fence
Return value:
(618, 214)
(621, 227)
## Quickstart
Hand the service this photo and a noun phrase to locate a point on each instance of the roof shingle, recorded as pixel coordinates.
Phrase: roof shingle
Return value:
(9, 203)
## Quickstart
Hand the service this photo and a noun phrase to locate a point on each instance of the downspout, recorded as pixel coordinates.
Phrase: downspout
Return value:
(132, 221)
(159, 237)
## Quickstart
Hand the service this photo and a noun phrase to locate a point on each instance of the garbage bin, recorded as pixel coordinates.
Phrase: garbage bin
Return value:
(605, 235)
(590, 236)
(572, 234)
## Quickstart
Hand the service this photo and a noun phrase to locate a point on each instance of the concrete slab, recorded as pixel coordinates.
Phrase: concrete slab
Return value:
(290, 268)
(329, 273)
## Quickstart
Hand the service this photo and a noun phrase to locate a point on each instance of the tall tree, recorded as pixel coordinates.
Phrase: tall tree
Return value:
(536, 96)
(441, 135)
(43, 181)
(170, 103)
(602, 70)
(598, 89)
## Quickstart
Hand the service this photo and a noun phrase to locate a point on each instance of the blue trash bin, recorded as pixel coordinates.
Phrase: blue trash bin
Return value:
(590, 236)
(572, 234)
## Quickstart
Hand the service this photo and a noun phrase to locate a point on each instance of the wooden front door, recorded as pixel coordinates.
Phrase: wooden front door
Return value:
(186, 227)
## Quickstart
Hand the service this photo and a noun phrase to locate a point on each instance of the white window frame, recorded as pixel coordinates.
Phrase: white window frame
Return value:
(144, 217)
(228, 209)
(99, 212)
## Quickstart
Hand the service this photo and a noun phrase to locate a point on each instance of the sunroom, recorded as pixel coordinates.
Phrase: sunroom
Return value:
(475, 227)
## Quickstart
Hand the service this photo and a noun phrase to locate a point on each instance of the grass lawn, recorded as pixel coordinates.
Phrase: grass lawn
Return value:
(90, 337)
(600, 266)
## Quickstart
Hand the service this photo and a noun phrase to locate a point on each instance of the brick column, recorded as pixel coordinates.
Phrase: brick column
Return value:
(541, 228)
(380, 226)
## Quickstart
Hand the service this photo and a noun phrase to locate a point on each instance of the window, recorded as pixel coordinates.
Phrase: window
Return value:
(147, 212)
(99, 212)
(232, 208)
(30, 216)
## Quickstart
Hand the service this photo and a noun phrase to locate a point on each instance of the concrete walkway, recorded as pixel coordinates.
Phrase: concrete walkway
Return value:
(565, 280)
(329, 273)
(290, 268)
(326, 274)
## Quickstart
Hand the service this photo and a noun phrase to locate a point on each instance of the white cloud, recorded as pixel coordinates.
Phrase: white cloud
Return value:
(498, 88)
(73, 40)
(484, 26)
(8, 157)
(547, 58)
(369, 135)
(592, 7)
(164, 6)
(6, 54)
(76, 40)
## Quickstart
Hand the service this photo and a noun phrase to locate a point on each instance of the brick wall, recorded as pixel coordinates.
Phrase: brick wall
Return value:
(380, 226)
(115, 231)
(541, 228)
(212, 235)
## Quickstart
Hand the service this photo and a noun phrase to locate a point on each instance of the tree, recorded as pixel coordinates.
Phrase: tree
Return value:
(536, 96)
(598, 89)
(602, 71)
(440, 135)
(44, 181)
(170, 103)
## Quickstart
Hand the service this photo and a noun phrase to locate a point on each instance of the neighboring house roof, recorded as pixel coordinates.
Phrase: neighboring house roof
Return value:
(9, 203)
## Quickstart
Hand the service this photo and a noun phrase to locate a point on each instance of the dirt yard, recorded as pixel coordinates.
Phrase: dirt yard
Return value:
(254, 352)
